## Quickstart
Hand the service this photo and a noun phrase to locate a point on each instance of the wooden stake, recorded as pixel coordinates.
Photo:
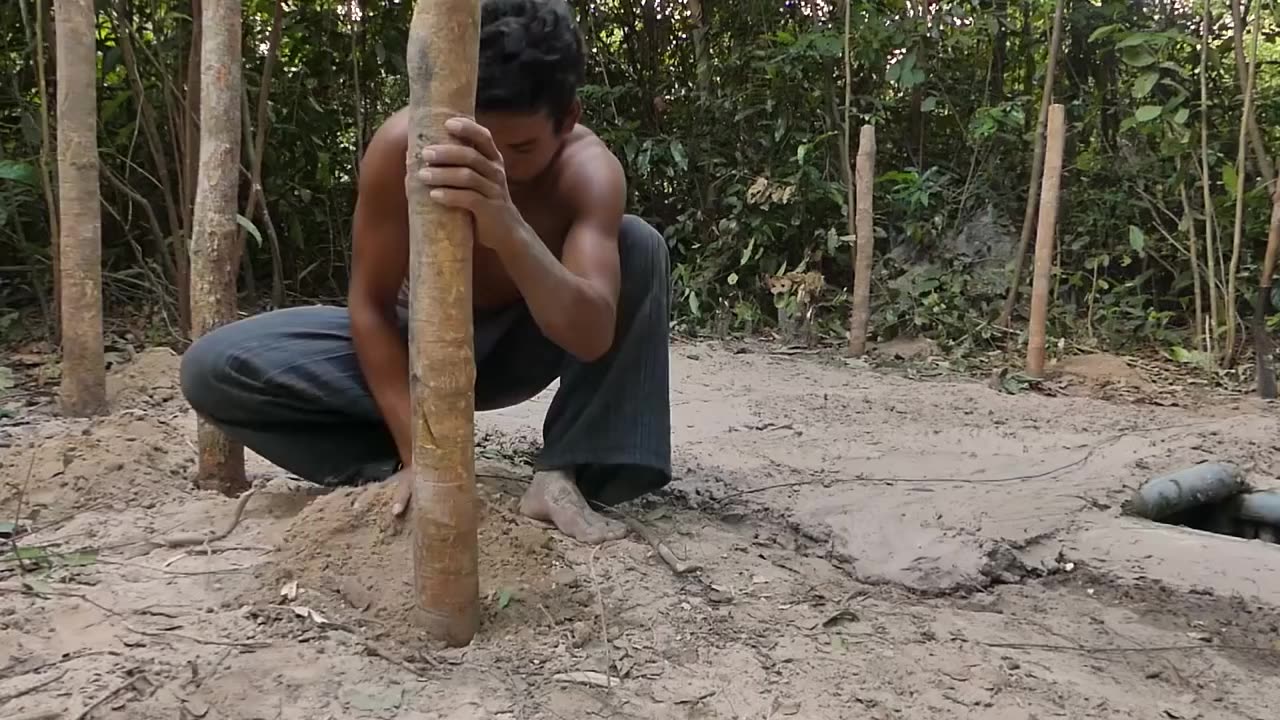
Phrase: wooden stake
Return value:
(84, 374)
(865, 237)
(443, 50)
(1055, 138)
(213, 238)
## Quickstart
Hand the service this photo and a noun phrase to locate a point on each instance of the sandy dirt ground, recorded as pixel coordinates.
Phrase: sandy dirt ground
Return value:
(871, 543)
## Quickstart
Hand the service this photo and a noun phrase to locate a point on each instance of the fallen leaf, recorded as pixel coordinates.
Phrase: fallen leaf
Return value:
(586, 677)
(308, 613)
(504, 599)
(290, 590)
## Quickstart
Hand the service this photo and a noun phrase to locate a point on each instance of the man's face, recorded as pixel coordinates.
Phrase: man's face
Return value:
(528, 141)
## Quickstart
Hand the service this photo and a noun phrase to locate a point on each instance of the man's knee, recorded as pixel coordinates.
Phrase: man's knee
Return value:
(207, 370)
(646, 263)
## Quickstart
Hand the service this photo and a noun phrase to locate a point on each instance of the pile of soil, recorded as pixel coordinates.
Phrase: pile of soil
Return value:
(353, 562)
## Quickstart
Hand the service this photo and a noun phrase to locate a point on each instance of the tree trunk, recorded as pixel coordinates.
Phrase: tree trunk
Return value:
(84, 378)
(443, 50)
(1037, 168)
(47, 181)
(213, 237)
(1261, 160)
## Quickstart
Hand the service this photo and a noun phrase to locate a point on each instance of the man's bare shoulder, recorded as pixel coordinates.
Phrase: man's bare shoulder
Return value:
(589, 171)
(390, 142)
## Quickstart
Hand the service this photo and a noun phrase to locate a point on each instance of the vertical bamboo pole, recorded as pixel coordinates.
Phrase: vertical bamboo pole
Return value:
(84, 375)
(443, 51)
(1047, 225)
(864, 178)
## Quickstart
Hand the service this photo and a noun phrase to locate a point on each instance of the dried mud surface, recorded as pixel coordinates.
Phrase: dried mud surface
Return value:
(839, 579)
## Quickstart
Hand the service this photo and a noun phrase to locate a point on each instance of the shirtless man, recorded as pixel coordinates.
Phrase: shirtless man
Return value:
(566, 286)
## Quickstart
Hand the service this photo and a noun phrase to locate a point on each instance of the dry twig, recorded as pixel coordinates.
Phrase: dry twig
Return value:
(190, 539)
(128, 683)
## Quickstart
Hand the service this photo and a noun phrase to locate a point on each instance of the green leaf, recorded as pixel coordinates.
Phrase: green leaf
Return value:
(929, 104)
(733, 278)
(1132, 40)
(1137, 240)
(1142, 86)
(19, 172)
(1229, 178)
(1181, 116)
(1104, 31)
(504, 599)
(1147, 113)
(1137, 56)
(249, 227)
(80, 559)
(678, 154)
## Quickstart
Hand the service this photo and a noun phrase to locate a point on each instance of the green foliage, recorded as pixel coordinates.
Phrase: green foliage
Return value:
(731, 137)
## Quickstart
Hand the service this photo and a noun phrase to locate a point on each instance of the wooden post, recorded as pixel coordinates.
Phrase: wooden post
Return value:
(864, 178)
(443, 51)
(84, 375)
(213, 237)
(1055, 138)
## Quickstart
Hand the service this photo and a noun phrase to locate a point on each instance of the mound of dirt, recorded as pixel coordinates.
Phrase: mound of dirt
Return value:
(353, 562)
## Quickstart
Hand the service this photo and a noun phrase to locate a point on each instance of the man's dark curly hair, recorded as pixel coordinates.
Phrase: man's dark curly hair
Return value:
(531, 57)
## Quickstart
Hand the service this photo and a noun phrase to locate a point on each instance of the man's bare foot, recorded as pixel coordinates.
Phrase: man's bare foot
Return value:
(554, 497)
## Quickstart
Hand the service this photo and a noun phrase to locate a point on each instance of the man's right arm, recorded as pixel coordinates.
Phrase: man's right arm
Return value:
(380, 259)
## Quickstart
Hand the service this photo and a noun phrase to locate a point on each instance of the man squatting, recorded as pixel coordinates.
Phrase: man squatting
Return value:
(566, 285)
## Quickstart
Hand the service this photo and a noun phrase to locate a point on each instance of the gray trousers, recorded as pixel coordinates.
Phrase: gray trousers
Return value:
(287, 384)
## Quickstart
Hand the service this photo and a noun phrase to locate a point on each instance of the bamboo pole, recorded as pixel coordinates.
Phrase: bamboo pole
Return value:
(864, 178)
(1047, 225)
(443, 51)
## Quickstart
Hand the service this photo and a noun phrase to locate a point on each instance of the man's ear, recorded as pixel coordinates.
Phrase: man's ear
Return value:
(571, 116)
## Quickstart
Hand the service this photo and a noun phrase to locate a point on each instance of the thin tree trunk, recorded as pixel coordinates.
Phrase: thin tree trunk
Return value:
(254, 148)
(1037, 169)
(444, 38)
(1263, 162)
(84, 377)
(701, 48)
(1210, 241)
(256, 151)
(124, 33)
(1194, 252)
(48, 180)
(1229, 350)
(1265, 373)
(213, 238)
(1046, 227)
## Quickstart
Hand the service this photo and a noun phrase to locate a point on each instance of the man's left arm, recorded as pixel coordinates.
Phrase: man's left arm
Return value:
(574, 299)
